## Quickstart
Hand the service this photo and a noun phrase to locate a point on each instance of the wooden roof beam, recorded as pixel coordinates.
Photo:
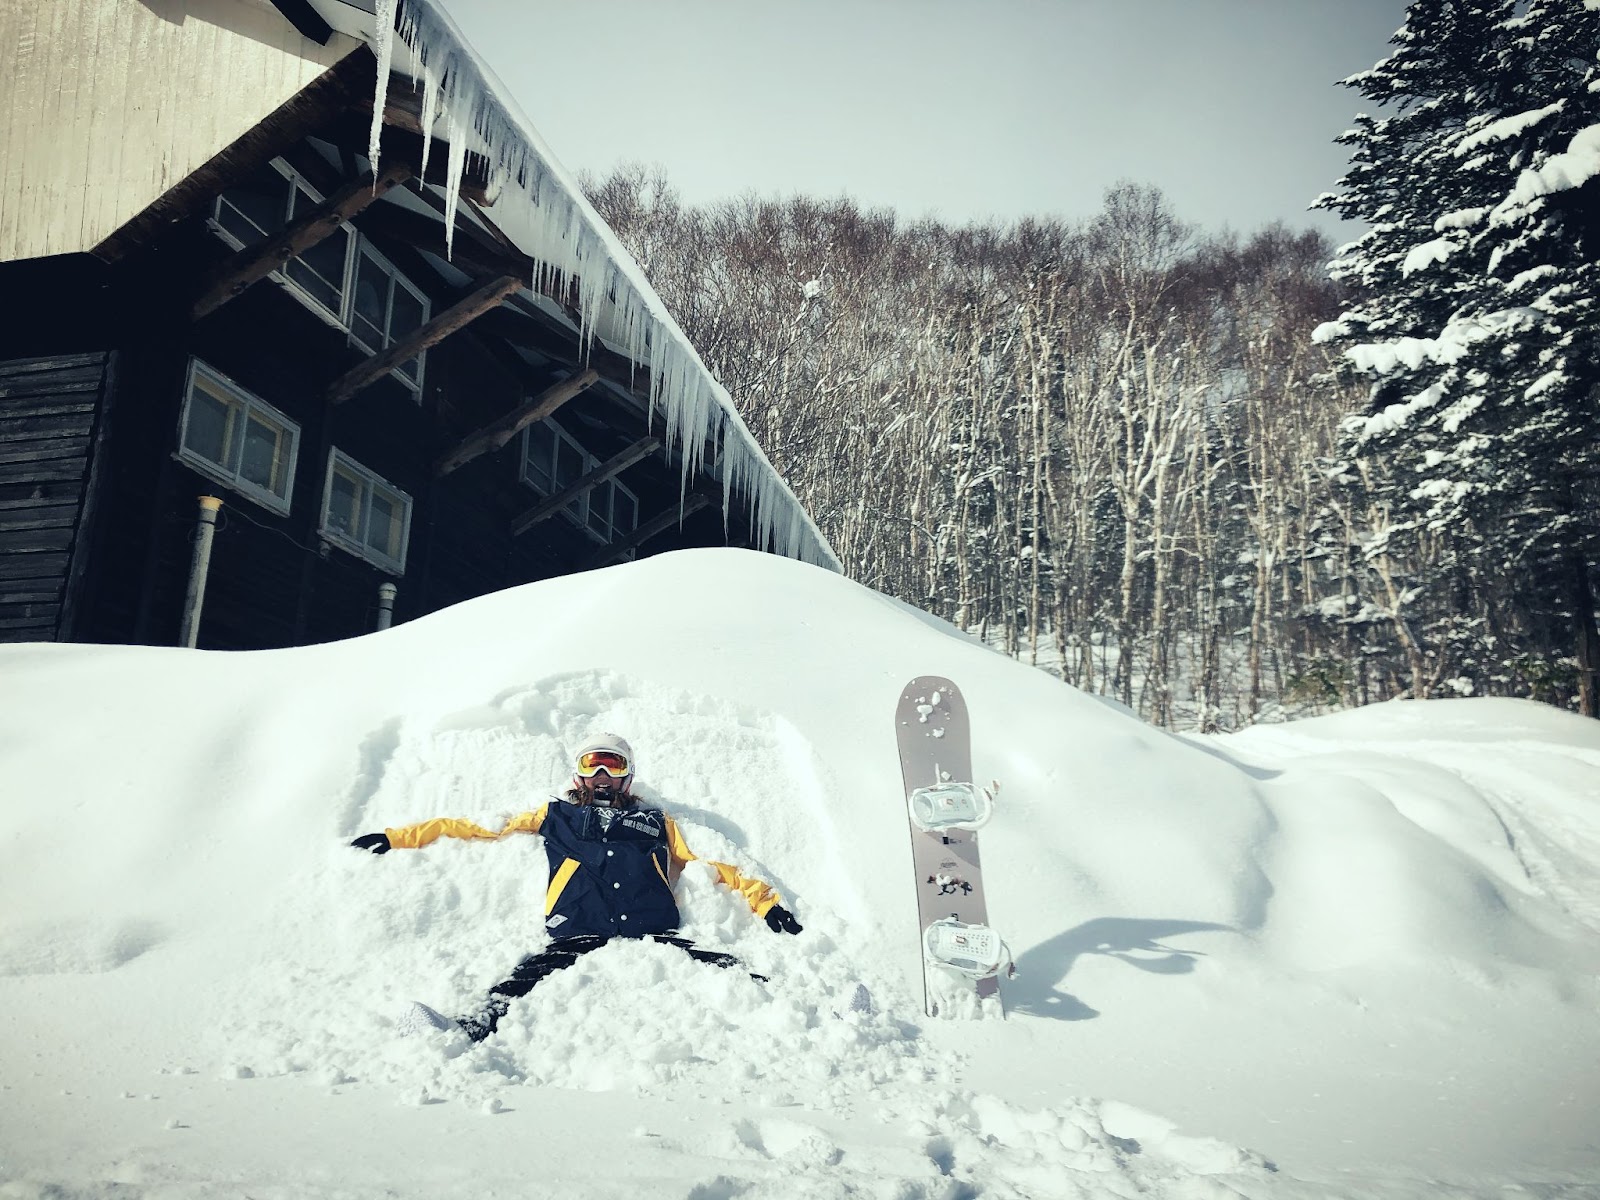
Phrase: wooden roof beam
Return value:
(457, 316)
(498, 433)
(692, 504)
(250, 265)
(613, 466)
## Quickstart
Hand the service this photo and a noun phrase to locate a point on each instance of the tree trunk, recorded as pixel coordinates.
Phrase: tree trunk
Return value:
(1586, 640)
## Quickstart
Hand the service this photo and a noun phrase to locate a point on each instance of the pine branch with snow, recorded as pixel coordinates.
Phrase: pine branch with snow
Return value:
(1474, 316)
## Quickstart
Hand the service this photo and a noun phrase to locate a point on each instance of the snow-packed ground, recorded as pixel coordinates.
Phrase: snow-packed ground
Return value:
(1354, 956)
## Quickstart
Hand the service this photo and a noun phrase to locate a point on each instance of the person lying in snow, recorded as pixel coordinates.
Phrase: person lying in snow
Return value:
(612, 868)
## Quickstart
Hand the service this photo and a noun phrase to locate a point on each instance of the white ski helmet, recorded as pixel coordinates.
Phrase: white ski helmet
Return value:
(609, 745)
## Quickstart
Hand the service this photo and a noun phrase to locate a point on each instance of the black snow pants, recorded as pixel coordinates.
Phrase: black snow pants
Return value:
(558, 956)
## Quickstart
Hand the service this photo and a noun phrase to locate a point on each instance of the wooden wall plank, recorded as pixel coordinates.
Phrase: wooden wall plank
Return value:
(32, 566)
(13, 541)
(89, 532)
(60, 471)
(42, 516)
(63, 370)
(31, 630)
(80, 407)
(17, 427)
(45, 450)
(47, 413)
(28, 494)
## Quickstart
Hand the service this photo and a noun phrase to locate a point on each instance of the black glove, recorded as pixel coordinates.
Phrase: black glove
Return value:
(378, 843)
(781, 920)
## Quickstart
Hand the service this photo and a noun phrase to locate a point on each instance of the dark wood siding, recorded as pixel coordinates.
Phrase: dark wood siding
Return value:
(51, 417)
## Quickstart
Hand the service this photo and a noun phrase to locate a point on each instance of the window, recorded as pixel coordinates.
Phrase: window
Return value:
(236, 438)
(365, 515)
(613, 511)
(552, 460)
(343, 278)
(385, 307)
(268, 203)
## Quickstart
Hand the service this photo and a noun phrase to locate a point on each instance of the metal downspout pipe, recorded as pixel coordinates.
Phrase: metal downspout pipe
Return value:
(194, 598)
(386, 594)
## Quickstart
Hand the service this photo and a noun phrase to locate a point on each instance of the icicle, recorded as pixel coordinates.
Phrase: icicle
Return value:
(455, 131)
(549, 218)
(430, 113)
(383, 31)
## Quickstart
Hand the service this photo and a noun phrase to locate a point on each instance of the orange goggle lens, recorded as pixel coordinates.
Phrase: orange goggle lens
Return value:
(610, 761)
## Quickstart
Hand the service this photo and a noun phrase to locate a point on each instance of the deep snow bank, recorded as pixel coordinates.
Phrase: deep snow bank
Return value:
(179, 890)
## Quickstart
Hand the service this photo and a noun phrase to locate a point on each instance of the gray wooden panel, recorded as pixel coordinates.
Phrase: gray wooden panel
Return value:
(39, 515)
(18, 616)
(27, 631)
(14, 367)
(17, 427)
(48, 411)
(41, 450)
(31, 541)
(31, 567)
(75, 406)
(62, 470)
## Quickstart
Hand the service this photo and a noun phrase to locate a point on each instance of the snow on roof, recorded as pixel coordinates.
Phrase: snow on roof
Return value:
(541, 207)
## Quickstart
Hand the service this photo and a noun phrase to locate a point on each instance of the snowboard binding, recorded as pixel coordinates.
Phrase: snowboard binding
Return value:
(950, 806)
(975, 951)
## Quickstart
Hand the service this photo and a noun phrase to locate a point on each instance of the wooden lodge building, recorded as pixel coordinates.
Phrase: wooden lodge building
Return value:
(211, 289)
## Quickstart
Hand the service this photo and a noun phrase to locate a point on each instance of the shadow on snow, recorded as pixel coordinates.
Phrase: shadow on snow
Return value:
(1135, 942)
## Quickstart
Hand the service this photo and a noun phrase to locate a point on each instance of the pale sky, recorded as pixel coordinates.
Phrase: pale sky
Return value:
(964, 109)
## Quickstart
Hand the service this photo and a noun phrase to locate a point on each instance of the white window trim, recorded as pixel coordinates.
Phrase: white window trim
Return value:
(588, 462)
(360, 549)
(280, 276)
(219, 473)
(352, 270)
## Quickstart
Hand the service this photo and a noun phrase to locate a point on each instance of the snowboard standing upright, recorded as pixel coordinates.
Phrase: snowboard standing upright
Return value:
(944, 808)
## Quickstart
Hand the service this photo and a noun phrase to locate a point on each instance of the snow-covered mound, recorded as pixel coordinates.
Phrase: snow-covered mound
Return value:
(1364, 946)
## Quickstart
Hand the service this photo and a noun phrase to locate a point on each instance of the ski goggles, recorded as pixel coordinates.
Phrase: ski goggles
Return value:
(592, 762)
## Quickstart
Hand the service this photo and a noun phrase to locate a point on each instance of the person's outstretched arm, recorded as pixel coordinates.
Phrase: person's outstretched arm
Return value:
(414, 837)
(762, 898)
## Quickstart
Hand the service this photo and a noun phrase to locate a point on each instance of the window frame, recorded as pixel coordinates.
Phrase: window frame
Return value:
(220, 473)
(356, 244)
(613, 486)
(579, 509)
(397, 278)
(295, 180)
(576, 509)
(338, 459)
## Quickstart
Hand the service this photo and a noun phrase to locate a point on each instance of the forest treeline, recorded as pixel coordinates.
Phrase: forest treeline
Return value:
(1110, 448)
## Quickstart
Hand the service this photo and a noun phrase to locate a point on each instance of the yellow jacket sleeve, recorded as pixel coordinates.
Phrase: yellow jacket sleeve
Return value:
(414, 837)
(758, 895)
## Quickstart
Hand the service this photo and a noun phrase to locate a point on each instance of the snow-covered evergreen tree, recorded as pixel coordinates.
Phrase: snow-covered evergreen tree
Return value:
(1475, 318)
